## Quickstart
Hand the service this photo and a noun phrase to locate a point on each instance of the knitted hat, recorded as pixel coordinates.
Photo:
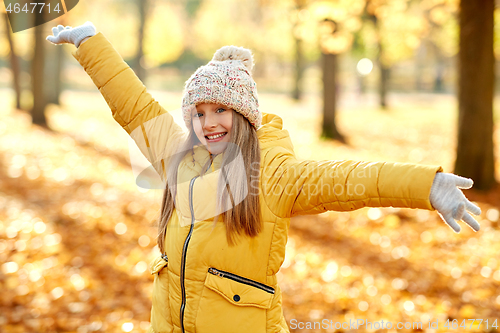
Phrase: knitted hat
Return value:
(225, 80)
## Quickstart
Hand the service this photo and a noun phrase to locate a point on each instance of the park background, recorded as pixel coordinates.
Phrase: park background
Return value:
(352, 79)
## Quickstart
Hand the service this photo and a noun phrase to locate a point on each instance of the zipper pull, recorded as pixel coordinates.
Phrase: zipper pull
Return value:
(216, 272)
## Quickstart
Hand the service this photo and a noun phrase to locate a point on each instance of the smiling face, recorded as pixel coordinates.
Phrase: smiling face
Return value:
(212, 125)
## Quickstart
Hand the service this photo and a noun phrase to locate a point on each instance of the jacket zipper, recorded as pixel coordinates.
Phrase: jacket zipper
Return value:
(241, 279)
(184, 253)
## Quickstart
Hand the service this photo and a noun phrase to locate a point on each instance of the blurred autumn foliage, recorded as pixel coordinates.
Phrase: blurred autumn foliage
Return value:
(77, 236)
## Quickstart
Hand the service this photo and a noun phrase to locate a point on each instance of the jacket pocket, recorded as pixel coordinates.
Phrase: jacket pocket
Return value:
(161, 320)
(233, 303)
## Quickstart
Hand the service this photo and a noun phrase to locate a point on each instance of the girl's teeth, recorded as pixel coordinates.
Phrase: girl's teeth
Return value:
(215, 136)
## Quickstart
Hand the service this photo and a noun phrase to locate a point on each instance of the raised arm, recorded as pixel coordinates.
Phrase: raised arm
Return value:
(153, 129)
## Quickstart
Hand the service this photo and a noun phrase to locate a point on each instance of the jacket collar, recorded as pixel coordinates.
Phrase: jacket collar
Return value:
(271, 132)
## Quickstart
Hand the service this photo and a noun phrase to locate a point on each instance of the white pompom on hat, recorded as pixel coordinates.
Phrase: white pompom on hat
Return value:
(225, 80)
(231, 52)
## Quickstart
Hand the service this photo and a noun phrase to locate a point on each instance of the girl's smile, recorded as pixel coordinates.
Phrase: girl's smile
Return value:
(215, 137)
(212, 124)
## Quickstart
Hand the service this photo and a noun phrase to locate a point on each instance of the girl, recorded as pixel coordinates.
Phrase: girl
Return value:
(233, 183)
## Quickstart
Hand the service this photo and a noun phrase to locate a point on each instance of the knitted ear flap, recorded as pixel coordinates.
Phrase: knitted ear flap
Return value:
(231, 52)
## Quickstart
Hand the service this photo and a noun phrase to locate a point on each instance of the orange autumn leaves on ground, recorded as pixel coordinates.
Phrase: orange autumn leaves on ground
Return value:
(76, 236)
(74, 242)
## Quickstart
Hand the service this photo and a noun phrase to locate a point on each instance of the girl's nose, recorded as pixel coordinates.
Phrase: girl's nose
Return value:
(210, 122)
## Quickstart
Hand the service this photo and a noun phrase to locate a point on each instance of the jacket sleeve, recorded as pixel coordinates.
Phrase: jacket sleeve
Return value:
(291, 187)
(152, 128)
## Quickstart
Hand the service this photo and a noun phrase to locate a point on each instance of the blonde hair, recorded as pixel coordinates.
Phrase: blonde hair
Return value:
(239, 208)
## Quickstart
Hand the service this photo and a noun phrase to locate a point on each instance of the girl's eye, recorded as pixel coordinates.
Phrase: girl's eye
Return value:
(221, 109)
(198, 115)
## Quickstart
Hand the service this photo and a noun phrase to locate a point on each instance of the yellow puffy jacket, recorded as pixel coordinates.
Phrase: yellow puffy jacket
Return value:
(202, 284)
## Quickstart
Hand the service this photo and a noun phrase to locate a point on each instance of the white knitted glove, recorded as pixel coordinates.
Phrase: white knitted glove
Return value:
(72, 35)
(451, 203)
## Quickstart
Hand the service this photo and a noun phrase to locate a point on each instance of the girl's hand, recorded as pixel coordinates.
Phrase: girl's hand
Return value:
(72, 35)
(451, 203)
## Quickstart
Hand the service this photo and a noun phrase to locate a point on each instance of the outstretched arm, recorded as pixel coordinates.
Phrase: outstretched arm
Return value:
(293, 187)
(152, 128)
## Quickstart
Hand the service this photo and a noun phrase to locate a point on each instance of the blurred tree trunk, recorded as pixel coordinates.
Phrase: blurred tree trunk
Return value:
(384, 69)
(299, 69)
(475, 93)
(440, 66)
(192, 7)
(261, 70)
(329, 68)
(53, 75)
(420, 65)
(54, 69)
(384, 80)
(14, 63)
(438, 80)
(37, 79)
(137, 63)
(299, 53)
(361, 84)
